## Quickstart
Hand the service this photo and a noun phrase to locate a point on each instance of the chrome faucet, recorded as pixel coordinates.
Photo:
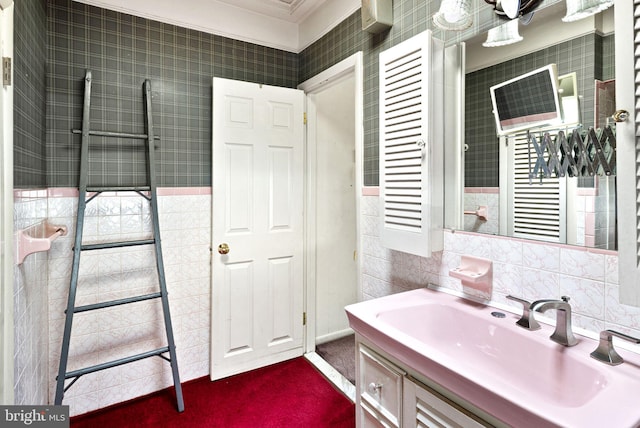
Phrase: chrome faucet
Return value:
(563, 333)
(605, 351)
(527, 320)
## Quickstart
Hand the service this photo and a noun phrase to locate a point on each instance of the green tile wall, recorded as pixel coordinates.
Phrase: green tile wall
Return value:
(29, 74)
(410, 17)
(122, 51)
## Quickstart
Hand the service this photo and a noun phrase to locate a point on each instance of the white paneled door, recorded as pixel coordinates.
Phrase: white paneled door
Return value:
(257, 236)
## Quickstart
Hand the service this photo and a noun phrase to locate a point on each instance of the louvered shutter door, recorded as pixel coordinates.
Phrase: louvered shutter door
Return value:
(411, 146)
(539, 208)
(627, 19)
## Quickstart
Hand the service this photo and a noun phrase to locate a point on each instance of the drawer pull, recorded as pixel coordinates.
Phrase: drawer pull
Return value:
(374, 388)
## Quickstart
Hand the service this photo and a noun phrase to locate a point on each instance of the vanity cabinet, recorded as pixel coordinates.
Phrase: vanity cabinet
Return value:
(388, 396)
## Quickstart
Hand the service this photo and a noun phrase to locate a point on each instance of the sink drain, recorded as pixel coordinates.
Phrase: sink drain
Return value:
(498, 314)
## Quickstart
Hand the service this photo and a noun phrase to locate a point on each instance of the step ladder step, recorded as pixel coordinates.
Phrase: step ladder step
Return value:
(119, 244)
(115, 363)
(116, 302)
(111, 134)
(118, 189)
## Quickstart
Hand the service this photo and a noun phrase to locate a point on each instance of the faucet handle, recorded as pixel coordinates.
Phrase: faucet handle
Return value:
(527, 320)
(605, 351)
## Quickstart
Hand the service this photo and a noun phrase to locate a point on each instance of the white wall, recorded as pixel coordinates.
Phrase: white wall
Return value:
(336, 207)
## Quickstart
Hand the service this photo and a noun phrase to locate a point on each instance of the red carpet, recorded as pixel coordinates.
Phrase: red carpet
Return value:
(285, 395)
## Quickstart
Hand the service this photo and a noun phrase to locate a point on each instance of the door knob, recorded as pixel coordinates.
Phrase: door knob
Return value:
(223, 248)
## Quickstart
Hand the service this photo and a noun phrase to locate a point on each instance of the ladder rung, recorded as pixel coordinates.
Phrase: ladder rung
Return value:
(115, 363)
(116, 302)
(116, 134)
(104, 245)
(119, 189)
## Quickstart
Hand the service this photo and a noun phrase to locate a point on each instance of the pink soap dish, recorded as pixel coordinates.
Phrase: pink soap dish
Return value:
(476, 275)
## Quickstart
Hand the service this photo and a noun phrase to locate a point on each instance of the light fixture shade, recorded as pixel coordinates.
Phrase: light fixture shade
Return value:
(505, 34)
(453, 15)
(579, 9)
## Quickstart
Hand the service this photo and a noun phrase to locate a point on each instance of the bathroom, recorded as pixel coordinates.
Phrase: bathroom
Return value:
(56, 40)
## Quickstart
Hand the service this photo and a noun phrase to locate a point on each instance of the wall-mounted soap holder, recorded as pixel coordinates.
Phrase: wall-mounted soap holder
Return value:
(476, 275)
(36, 238)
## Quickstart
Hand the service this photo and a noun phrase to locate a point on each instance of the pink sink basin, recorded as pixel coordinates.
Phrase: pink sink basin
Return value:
(520, 377)
(484, 343)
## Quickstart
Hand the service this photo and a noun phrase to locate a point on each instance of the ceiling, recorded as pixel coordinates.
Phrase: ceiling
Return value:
(289, 10)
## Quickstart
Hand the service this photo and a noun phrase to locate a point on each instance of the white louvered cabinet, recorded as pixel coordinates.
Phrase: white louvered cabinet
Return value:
(425, 408)
(411, 145)
(536, 208)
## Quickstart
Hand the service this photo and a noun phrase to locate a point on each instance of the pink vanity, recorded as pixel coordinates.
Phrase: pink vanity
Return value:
(426, 355)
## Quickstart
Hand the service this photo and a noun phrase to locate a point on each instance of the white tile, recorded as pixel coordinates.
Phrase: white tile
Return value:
(587, 296)
(540, 256)
(584, 264)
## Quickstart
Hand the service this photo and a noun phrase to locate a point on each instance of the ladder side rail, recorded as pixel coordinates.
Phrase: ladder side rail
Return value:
(151, 174)
(84, 160)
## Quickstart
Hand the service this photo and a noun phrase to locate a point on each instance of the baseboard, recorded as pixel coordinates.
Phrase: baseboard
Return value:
(333, 336)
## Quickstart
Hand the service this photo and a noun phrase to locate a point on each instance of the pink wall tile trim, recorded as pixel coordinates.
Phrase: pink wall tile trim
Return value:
(183, 191)
(587, 191)
(529, 241)
(29, 193)
(371, 191)
(481, 190)
(63, 192)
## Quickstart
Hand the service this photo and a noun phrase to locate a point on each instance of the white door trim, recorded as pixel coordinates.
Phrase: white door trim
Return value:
(352, 65)
(6, 213)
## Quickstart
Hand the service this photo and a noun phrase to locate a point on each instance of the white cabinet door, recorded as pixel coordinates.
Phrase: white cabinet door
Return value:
(423, 408)
(257, 289)
(412, 146)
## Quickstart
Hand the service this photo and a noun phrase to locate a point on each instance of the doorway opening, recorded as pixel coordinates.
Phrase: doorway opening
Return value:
(333, 191)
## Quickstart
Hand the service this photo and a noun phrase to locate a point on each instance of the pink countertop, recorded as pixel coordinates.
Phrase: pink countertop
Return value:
(520, 377)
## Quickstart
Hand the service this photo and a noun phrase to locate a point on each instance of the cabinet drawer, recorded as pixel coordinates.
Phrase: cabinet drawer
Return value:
(380, 385)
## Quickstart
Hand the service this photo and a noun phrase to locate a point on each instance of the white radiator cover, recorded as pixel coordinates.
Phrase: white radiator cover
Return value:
(412, 146)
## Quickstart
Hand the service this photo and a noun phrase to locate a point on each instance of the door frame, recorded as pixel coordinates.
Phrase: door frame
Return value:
(6, 213)
(352, 65)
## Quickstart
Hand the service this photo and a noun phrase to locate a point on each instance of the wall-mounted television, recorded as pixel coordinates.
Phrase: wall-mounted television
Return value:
(527, 101)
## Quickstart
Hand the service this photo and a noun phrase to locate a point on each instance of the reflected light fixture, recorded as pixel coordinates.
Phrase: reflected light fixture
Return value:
(579, 9)
(453, 15)
(503, 35)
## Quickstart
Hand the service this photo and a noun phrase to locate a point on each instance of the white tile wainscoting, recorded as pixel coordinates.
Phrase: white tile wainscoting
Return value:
(524, 268)
(99, 336)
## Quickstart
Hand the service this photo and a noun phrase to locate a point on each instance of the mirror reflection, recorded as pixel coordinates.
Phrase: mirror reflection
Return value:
(567, 210)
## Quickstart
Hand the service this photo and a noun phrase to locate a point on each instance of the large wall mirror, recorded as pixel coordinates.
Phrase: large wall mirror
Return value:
(578, 210)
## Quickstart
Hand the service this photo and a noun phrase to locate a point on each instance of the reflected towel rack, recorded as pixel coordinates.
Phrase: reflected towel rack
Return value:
(481, 213)
(36, 238)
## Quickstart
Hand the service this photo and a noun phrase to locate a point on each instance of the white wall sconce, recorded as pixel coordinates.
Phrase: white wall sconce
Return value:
(579, 9)
(505, 34)
(453, 15)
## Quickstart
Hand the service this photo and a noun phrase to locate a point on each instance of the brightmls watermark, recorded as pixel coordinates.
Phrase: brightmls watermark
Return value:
(34, 416)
